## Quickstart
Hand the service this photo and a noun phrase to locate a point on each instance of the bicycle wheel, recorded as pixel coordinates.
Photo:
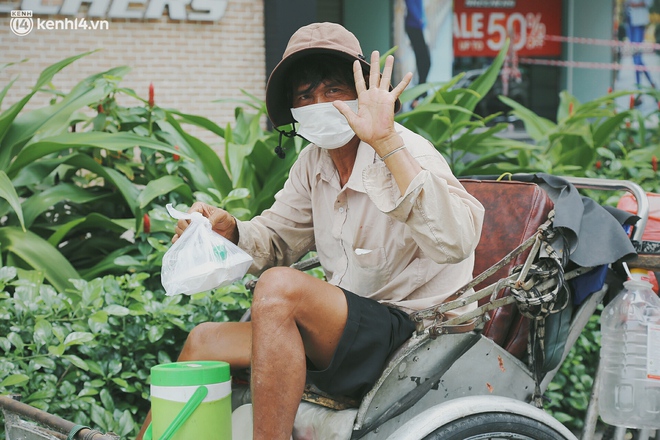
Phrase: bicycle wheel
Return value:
(495, 426)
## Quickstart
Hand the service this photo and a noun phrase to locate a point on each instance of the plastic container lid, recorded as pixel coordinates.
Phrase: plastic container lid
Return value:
(190, 373)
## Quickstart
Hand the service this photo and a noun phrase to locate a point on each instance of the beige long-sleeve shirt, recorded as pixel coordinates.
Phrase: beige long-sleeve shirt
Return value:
(409, 251)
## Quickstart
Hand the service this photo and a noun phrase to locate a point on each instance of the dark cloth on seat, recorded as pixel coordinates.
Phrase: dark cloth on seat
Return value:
(594, 236)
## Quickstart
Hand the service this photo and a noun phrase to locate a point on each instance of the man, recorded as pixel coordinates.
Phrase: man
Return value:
(415, 22)
(637, 18)
(393, 228)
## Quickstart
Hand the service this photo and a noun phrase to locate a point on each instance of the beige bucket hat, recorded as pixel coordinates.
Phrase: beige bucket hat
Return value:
(317, 38)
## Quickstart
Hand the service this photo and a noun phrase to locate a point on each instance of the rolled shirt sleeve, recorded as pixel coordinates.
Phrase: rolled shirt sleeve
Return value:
(444, 219)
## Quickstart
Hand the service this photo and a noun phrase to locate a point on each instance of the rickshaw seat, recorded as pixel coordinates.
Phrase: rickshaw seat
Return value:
(514, 211)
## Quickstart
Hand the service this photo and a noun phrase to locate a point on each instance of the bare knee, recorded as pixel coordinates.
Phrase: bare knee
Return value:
(275, 292)
(197, 346)
(220, 341)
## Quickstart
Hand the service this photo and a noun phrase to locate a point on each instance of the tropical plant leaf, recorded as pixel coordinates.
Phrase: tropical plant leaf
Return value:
(162, 186)
(40, 255)
(537, 127)
(7, 117)
(199, 121)
(482, 84)
(41, 201)
(109, 141)
(8, 192)
(209, 162)
(93, 220)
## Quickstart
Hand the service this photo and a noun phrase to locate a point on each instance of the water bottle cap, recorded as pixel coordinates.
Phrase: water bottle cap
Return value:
(190, 373)
(640, 275)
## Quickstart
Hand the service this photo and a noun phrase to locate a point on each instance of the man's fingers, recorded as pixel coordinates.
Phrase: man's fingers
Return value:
(345, 110)
(374, 74)
(402, 85)
(387, 73)
(358, 75)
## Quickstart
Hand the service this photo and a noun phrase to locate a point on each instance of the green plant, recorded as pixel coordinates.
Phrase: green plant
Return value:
(80, 177)
(468, 141)
(85, 354)
(570, 390)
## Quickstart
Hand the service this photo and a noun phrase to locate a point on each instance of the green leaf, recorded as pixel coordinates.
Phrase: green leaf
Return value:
(537, 127)
(8, 192)
(78, 338)
(100, 317)
(116, 310)
(46, 76)
(54, 119)
(56, 350)
(109, 141)
(155, 333)
(43, 331)
(209, 160)
(92, 221)
(482, 85)
(14, 379)
(16, 341)
(75, 360)
(126, 424)
(106, 399)
(163, 186)
(42, 201)
(199, 121)
(40, 255)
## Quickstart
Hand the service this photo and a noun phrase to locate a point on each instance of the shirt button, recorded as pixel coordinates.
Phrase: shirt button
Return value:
(341, 210)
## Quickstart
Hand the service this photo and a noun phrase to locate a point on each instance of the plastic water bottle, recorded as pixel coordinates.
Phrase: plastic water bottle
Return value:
(630, 357)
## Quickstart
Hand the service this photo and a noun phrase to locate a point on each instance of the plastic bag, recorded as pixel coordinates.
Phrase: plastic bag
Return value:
(201, 259)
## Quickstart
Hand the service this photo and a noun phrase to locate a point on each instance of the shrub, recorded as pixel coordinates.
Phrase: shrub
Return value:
(85, 354)
(79, 178)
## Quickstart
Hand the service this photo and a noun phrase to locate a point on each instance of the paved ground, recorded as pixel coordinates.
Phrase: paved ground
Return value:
(625, 80)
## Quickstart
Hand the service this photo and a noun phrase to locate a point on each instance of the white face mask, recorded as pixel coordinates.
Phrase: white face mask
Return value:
(322, 124)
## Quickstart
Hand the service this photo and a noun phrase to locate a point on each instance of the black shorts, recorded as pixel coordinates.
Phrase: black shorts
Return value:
(373, 331)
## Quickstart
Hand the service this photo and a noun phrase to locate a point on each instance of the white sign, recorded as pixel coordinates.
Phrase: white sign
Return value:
(21, 22)
(194, 10)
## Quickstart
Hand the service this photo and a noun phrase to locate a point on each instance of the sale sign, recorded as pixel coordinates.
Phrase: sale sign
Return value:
(482, 26)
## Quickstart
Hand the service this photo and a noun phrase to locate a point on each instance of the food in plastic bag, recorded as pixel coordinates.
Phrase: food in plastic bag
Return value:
(201, 259)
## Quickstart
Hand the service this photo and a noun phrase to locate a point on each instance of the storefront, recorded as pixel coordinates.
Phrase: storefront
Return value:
(196, 52)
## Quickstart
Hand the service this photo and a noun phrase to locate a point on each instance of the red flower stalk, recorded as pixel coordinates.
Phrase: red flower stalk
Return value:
(632, 102)
(599, 164)
(147, 223)
(175, 156)
(570, 109)
(100, 108)
(654, 163)
(627, 124)
(151, 95)
(609, 90)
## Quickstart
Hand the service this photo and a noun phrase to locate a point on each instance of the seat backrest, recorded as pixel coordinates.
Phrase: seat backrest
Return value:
(514, 211)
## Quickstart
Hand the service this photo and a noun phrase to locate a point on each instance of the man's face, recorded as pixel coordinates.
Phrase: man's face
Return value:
(325, 91)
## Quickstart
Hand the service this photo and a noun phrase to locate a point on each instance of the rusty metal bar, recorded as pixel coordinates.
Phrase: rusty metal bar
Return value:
(50, 421)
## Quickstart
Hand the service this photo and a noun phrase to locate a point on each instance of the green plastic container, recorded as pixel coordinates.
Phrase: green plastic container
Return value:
(172, 386)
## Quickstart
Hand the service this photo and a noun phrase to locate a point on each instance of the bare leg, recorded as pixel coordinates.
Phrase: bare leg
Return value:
(215, 341)
(294, 315)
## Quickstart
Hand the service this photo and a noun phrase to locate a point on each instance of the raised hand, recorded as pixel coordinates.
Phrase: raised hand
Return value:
(374, 121)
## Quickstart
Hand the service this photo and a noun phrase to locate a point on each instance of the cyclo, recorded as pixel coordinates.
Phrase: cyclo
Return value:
(483, 374)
